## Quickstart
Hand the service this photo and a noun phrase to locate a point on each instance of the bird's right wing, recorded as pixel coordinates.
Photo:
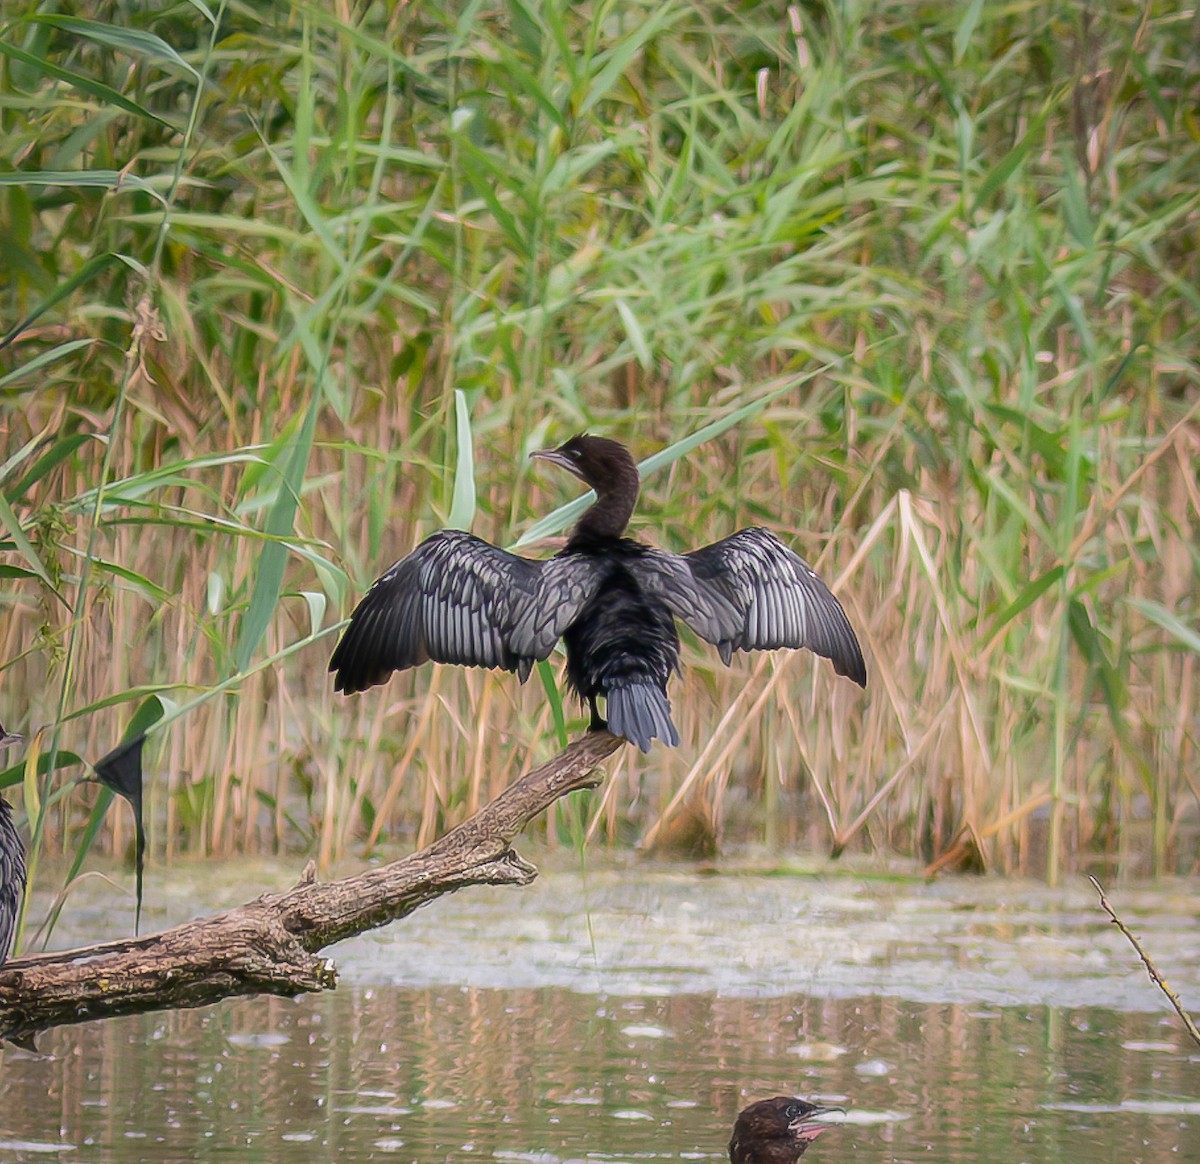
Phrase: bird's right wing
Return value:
(459, 599)
(749, 592)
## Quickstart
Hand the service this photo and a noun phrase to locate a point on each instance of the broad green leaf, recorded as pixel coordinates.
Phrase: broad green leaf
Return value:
(54, 456)
(14, 774)
(1004, 169)
(136, 580)
(31, 784)
(17, 458)
(546, 675)
(620, 56)
(268, 577)
(204, 11)
(306, 204)
(637, 338)
(462, 508)
(135, 41)
(13, 571)
(1186, 636)
(10, 521)
(174, 474)
(1028, 596)
(148, 713)
(148, 692)
(115, 180)
(89, 271)
(316, 603)
(966, 29)
(215, 595)
(42, 359)
(84, 84)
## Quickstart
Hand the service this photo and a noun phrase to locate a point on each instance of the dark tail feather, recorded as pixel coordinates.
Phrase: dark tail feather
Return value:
(641, 713)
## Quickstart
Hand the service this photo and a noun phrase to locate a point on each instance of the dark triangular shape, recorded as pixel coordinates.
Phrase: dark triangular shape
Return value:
(121, 770)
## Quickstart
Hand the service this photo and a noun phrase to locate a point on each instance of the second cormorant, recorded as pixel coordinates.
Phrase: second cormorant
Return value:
(12, 865)
(612, 600)
(777, 1131)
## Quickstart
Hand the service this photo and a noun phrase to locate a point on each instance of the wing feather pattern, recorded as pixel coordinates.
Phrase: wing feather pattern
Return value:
(749, 592)
(12, 879)
(459, 599)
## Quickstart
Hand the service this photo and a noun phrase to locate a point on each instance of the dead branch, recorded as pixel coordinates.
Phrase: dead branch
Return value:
(1151, 969)
(269, 945)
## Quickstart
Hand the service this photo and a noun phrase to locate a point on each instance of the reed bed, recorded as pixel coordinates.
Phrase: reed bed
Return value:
(287, 286)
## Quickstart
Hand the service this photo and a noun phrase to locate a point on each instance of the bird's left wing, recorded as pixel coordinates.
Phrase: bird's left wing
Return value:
(12, 879)
(459, 599)
(750, 592)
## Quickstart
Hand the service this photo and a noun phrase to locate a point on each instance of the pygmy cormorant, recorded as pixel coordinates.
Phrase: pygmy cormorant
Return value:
(12, 866)
(612, 600)
(776, 1131)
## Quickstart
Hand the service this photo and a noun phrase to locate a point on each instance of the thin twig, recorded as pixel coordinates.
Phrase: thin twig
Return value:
(1151, 969)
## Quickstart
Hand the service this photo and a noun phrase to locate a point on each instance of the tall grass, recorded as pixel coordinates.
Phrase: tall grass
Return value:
(942, 260)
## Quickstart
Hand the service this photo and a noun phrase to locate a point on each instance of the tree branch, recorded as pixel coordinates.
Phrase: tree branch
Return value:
(1151, 969)
(270, 945)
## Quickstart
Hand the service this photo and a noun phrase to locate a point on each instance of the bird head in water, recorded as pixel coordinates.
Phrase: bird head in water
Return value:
(777, 1131)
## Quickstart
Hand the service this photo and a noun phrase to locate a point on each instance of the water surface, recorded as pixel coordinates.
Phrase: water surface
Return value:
(628, 1015)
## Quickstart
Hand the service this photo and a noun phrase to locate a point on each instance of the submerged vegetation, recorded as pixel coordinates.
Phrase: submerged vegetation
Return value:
(286, 287)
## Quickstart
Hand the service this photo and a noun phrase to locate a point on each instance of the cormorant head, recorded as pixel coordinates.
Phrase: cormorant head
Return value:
(776, 1130)
(596, 461)
(609, 469)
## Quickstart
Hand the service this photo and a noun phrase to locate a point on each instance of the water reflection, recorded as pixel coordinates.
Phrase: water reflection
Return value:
(554, 1075)
(631, 1014)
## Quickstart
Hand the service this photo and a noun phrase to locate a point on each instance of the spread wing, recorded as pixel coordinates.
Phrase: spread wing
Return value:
(12, 879)
(749, 592)
(459, 599)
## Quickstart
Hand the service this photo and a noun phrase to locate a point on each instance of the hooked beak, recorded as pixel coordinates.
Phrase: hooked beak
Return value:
(8, 738)
(555, 457)
(808, 1127)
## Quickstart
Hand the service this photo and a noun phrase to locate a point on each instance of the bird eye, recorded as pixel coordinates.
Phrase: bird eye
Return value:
(792, 1111)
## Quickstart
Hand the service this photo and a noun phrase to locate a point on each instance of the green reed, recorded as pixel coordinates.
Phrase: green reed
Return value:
(287, 290)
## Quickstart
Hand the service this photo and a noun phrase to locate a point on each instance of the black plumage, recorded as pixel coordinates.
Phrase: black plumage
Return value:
(777, 1131)
(12, 866)
(613, 600)
(12, 879)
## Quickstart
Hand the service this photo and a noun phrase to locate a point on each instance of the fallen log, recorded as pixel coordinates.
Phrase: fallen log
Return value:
(271, 945)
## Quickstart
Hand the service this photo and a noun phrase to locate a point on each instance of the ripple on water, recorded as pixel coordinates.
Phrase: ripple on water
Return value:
(36, 1147)
(957, 1023)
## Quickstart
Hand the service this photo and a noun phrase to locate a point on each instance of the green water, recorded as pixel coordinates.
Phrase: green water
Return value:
(967, 1021)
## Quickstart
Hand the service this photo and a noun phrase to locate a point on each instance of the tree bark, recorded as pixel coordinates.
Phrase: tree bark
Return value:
(270, 945)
